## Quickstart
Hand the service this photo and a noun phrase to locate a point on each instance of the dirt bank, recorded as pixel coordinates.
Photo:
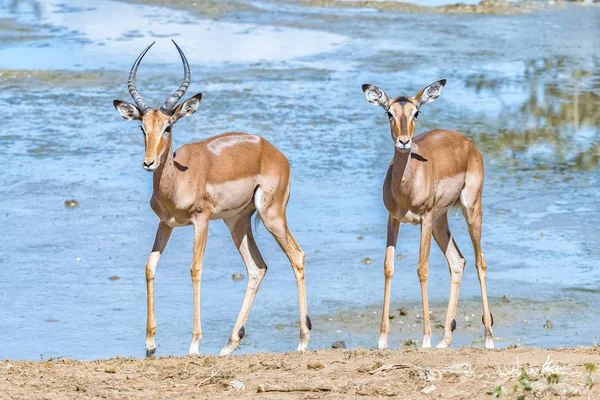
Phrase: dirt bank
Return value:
(472, 373)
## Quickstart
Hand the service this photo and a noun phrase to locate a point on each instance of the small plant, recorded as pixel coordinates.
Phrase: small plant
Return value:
(499, 391)
(524, 381)
(552, 379)
(590, 369)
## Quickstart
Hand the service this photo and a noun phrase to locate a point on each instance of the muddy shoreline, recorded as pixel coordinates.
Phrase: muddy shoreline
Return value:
(333, 374)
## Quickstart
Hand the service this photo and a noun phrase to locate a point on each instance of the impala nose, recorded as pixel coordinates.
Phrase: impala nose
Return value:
(149, 166)
(403, 145)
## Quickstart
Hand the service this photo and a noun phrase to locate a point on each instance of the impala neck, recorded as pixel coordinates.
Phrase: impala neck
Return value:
(402, 171)
(164, 176)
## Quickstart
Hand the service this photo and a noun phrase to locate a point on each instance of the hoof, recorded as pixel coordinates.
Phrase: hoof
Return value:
(308, 322)
(491, 317)
(302, 347)
(443, 344)
(453, 325)
(228, 349)
(150, 353)
(242, 332)
(225, 351)
(426, 343)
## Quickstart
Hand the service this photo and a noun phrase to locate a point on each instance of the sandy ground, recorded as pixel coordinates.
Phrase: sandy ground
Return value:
(468, 372)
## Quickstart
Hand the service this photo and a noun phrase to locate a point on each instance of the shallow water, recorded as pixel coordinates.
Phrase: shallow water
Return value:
(524, 88)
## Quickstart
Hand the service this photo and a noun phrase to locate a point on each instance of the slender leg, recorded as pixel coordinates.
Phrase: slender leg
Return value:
(163, 234)
(426, 230)
(241, 232)
(276, 224)
(200, 222)
(456, 264)
(388, 270)
(473, 217)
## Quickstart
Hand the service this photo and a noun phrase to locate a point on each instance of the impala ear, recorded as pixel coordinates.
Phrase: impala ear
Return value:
(188, 107)
(376, 96)
(430, 93)
(127, 111)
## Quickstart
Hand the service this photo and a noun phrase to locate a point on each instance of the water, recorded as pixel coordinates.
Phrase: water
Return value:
(524, 88)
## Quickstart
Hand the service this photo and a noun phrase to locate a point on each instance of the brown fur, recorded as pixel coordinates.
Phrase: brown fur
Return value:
(429, 174)
(224, 177)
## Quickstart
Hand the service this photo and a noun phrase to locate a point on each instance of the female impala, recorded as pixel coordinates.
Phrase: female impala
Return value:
(228, 177)
(429, 174)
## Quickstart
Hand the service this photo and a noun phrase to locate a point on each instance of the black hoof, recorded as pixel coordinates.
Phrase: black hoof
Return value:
(453, 325)
(242, 332)
(308, 322)
(483, 319)
(150, 353)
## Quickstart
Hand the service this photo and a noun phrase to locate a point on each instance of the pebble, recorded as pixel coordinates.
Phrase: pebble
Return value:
(400, 257)
(338, 345)
(402, 311)
(279, 326)
(237, 277)
(428, 389)
(360, 237)
(504, 299)
(72, 203)
(315, 365)
(367, 260)
(548, 324)
(236, 385)
(114, 278)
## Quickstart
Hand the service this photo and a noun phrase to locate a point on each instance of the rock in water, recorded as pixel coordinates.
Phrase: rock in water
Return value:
(71, 203)
(237, 277)
(338, 345)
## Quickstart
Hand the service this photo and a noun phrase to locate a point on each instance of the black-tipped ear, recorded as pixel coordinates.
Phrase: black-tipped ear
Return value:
(188, 107)
(430, 93)
(375, 95)
(127, 110)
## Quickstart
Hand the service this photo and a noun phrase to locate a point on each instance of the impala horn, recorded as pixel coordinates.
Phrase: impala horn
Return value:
(167, 108)
(139, 100)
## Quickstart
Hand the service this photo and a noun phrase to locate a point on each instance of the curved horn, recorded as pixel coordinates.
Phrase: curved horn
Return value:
(167, 108)
(139, 100)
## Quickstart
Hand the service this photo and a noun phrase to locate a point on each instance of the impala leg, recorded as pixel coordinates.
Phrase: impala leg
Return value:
(241, 232)
(276, 224)
(388, 270)
(473, 216)
(426, 231)
(200, 235)
(456, 264)
(163, 234)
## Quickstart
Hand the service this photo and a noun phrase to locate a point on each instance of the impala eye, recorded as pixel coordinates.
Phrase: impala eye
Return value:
(389, 114)
(168, 129)
(416, 115)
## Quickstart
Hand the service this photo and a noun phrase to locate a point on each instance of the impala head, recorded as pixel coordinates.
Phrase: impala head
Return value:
(403, 111)
(157, 124)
